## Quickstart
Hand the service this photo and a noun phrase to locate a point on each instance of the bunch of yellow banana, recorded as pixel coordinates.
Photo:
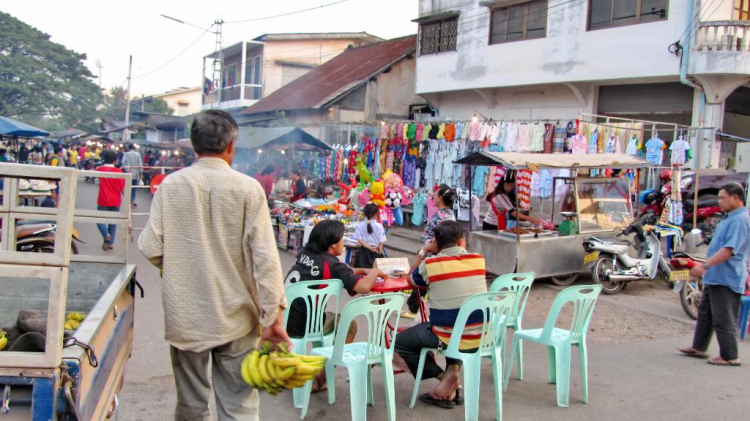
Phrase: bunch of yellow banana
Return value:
(74, 320)
(3, 340)
(273, 370)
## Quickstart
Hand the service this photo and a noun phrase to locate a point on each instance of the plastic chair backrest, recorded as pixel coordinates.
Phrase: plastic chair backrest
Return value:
(377, 309)
(496, 308)
(520, 283)
(315, 295)
(583, 298)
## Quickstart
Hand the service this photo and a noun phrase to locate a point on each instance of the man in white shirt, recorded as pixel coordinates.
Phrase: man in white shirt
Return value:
(210, 232)
(133, 163)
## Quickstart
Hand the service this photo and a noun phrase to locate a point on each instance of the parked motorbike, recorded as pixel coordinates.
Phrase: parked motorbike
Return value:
(690, 289)
(612, 267)
(39, 237)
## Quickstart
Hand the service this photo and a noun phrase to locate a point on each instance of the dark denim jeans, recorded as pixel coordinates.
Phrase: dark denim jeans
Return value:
(110, 229)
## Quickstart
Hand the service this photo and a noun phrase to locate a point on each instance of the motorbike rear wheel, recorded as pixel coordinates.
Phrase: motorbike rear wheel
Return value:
(598, 274)
(690, 297)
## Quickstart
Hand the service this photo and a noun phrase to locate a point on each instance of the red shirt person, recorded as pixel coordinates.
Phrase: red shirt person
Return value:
(265, 178)
(299, 189)
(110, 196)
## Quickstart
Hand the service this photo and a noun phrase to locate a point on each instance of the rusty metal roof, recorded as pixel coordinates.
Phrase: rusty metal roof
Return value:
(336, 77)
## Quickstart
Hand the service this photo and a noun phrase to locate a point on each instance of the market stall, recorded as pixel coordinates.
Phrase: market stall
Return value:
(602, 205)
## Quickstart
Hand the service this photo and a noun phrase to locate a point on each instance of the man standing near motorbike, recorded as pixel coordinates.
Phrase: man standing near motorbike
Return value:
(724, 275)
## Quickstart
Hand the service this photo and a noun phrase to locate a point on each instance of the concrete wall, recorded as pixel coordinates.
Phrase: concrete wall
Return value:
(395, 90)
(569, 53)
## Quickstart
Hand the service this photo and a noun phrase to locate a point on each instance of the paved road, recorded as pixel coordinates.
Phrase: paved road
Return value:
(643, 380)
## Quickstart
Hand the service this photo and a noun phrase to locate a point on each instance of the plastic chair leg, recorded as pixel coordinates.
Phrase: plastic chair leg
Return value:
(306, 390)
(583, 354)
(370, 395)
(551, 365)
(418, 377)
(471, 368)
(358, 394)
(497, 378)
(562, 362)
(390, 388)
(331, 381)
(509, 365)
(520, 360)
(298, 394)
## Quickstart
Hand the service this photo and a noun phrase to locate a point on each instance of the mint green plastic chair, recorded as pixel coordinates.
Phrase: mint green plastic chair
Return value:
(496, 308)
(560, 341)
(316, 295)
(360, 357)
(520, 283)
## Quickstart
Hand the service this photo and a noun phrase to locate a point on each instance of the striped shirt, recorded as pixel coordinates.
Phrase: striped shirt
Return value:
(453, 275)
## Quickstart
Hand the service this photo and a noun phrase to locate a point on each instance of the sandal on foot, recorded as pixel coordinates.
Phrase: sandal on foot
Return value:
(459, 400)
(426, 398)
(693, 353)
(723, 362)
(317, 387)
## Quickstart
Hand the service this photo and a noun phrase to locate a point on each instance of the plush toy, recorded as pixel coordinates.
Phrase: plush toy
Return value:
(392, 181)
(377, 193)
(407, 195)
(364, 174)
(393, 199)
(363, 197)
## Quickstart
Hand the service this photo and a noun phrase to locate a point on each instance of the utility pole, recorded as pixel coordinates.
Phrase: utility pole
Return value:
(218, 65)
(100, 66)
(126, 133)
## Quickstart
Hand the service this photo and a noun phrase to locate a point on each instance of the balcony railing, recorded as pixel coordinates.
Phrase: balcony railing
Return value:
(722, 35)
(232, 93)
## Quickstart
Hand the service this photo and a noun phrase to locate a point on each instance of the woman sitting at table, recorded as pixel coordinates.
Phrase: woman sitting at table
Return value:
(318, 261)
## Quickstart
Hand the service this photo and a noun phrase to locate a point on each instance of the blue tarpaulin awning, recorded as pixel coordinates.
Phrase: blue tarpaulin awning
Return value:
(10, 127)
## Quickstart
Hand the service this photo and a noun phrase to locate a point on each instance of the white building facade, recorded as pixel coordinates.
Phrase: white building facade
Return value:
(676, 61)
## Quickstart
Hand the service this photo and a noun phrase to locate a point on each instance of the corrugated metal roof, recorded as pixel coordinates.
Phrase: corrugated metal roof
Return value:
(337, 76)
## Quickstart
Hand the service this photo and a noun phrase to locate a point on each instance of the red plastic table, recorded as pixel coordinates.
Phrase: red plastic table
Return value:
(399, 285)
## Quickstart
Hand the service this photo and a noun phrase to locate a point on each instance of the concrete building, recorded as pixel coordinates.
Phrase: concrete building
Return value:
(364, 84)
(678, 61)
(254, 69)
(184, 101)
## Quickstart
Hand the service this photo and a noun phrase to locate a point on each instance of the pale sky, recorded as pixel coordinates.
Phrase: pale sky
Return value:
(110, 31)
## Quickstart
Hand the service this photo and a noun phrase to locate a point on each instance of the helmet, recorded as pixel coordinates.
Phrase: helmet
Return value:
(665, 174)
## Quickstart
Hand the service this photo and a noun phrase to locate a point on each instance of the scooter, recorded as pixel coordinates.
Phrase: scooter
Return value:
(612, 267)
(39, 237)
(690, 289)
(709, 213)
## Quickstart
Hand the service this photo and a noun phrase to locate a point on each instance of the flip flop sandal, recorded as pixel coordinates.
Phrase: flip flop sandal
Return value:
(426, 398)
(317, 388)
(725, 363)
(694, 354)
(459, 400)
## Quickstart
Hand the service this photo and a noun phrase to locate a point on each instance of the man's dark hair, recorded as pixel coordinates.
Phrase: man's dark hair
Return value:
(447, 234)
(131, 147)
(212, 131)
(286, 174)
(324, 235)
(734, 189)
(447, 194)
(268, 170)
(57, 150)
(109, 157)
(3, 151)
(297, 172)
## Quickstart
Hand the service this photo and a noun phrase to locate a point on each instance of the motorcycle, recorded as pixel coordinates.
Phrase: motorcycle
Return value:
(709, 213)
(39, 237)
(690, 289)
(612, 267)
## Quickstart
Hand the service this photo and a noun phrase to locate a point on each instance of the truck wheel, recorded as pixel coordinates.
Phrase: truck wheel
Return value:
(599, 275)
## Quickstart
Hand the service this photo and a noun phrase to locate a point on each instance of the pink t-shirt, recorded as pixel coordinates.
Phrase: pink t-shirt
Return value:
(431, 208)
(578, 144)
(524, 138)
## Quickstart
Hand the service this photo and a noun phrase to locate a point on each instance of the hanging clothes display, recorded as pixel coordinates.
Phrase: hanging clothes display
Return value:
(510, 137)
(655, 150)
(634, 145)
(578, 144)
(613, 145)
(536, 137)
(679, 150)
(593, 146)
(558, 140)
(523, 182)
(524, 138)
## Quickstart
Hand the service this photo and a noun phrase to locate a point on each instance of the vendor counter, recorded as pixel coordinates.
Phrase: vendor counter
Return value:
(545, 256)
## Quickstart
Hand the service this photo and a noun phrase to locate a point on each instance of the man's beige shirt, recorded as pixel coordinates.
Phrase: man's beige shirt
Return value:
(210, 231)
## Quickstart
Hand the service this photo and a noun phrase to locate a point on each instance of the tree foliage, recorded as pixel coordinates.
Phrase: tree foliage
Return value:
(117, 97)
(39, 77)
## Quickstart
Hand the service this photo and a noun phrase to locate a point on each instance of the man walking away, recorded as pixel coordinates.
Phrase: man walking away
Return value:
(222, 278)
(724, 276)
(133, 163)
(110, 197)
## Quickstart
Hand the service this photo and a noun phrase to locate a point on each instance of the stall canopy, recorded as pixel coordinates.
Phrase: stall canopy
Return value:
(278, 138)
(10, 127)
(533, 161)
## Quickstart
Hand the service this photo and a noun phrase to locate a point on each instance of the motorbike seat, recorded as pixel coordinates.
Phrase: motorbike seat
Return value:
(614, 244)
(695, 256)
(703, 202)
(29, 230)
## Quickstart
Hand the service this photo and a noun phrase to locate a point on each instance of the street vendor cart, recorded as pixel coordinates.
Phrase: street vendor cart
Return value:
(50, 367)
(602, 205)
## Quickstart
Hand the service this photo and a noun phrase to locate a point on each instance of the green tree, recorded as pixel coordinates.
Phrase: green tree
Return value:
(39, 77)
(116, 98)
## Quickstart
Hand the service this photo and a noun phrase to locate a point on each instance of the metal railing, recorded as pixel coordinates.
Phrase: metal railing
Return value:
(722, 35)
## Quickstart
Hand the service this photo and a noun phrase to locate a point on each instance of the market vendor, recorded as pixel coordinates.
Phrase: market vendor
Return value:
(265, 178)
(319, 260)
(299, 189)
(502, 213)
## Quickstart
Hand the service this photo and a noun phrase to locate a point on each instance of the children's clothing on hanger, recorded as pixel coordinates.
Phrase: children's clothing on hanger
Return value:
(524, 138)
(679, 149)
(613, 145)
(655, 150)
(578, 145)
(634, 144)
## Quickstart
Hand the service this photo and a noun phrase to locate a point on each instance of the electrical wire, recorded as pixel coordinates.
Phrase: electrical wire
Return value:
(287, 14)
(696, 26)
(695, 21)
(175, 57)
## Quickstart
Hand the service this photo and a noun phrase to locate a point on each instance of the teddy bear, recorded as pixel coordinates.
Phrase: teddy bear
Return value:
(377, 193)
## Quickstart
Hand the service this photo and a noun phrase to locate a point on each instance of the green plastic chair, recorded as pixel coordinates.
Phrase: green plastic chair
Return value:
(360, 357)
(560, 341)
(520, 283)
(316, 295)
(496, 308)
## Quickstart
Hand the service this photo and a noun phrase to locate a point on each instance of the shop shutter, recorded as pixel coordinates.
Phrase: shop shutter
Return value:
(646, 98)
